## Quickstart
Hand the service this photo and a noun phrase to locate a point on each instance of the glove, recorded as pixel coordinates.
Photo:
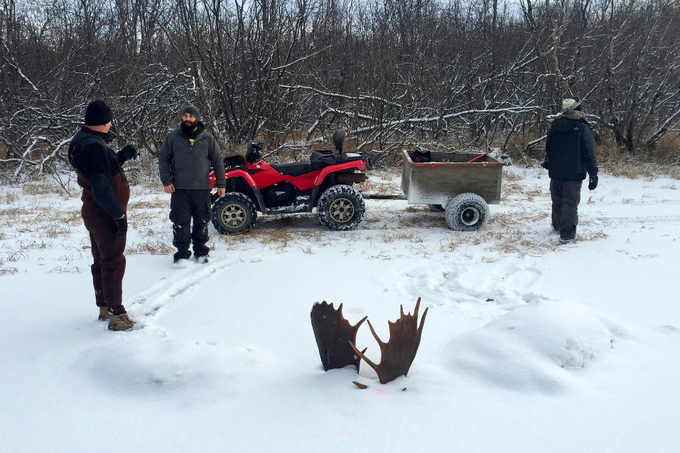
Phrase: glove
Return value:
(128, 152)
(544, 164)
(121, 223)
(592, 183)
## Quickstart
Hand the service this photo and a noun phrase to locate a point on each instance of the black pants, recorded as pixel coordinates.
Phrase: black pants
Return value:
(185, 204)
(566, 195)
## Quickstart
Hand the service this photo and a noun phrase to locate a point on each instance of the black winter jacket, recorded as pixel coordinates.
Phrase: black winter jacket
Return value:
(187, 166)
(570, 150)
(90, 156)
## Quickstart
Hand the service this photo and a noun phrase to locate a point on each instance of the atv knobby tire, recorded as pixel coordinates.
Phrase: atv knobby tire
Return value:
(467, 212)
(341, 208)
(233, 212)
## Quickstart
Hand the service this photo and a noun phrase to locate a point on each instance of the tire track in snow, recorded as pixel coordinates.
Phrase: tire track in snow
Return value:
(151, 300)
(640, 219)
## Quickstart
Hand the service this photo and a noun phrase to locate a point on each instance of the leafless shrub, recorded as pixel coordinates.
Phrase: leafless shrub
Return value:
(291, 72)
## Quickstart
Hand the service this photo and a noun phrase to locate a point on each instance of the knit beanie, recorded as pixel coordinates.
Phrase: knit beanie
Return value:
(97, 113)
(571, 104)
(192, 110)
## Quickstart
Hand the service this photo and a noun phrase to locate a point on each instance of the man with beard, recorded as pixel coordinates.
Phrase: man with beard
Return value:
(105, 196)
(570, 153)
(184, 164)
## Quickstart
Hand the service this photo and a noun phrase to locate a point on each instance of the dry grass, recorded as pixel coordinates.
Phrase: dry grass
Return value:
(65, 270)
(7, 269)
(411, 237)
(405, 225)
(45, 187)
(647, 172)
(32, 245)
(54, 231)
(279, 238)
(389, 184)
(16, 255)
(156, 203)
(382, 188)
(151, 246)
(9, 198)
(514, 176)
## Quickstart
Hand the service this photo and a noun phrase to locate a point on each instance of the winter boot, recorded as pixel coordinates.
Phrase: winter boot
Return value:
(120, 322)
(104, 314)
(203, 259)
(179, 256)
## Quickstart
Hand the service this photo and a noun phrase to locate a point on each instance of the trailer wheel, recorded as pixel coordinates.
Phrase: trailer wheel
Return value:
(341, 208)
(233, 212)
(467, 212)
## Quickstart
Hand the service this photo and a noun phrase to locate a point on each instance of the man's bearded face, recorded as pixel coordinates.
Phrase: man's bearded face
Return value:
(189, 122)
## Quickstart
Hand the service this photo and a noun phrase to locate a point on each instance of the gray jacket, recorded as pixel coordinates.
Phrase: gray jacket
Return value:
(187, 166)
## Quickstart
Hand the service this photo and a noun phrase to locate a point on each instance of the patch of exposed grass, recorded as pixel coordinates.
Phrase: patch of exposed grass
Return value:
(514, 176)
(9, 198)
(150, 246)
(156, 203)
(64, 270)
(45, 187)
(5, 270)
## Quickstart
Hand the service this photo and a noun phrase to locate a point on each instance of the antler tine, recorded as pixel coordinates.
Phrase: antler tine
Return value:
(422, 321)
(398, 353)
(366, 359)
(375, 335)
(356, 327)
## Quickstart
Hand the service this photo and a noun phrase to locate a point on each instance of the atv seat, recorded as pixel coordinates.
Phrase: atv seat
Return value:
(293, 169)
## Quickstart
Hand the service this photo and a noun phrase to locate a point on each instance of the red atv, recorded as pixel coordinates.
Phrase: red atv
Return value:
(323, 182)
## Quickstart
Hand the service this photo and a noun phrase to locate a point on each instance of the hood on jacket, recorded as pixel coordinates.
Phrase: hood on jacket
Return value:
(563, 124)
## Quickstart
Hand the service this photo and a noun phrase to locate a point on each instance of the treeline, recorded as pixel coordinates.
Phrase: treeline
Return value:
(392, 72)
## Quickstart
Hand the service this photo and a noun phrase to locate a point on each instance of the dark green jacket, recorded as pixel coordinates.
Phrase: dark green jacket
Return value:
(187, 166)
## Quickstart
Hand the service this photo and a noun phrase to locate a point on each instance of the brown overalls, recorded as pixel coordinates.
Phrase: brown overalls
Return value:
(109, 261)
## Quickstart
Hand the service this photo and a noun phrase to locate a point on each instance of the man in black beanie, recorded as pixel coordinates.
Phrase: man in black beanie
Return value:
(570, 154)
(184, 163)
(105, 196)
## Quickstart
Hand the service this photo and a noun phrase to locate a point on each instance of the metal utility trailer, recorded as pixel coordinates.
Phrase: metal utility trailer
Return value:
(461, 184)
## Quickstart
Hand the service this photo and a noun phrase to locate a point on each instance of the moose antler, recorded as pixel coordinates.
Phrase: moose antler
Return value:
(334, 334)
(398, 353)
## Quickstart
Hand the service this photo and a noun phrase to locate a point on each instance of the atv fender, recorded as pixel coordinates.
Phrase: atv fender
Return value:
(241, 174)
(248, 188)
(356, 164)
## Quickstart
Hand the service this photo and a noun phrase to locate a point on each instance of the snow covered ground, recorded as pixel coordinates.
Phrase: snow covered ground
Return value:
(528, 346)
